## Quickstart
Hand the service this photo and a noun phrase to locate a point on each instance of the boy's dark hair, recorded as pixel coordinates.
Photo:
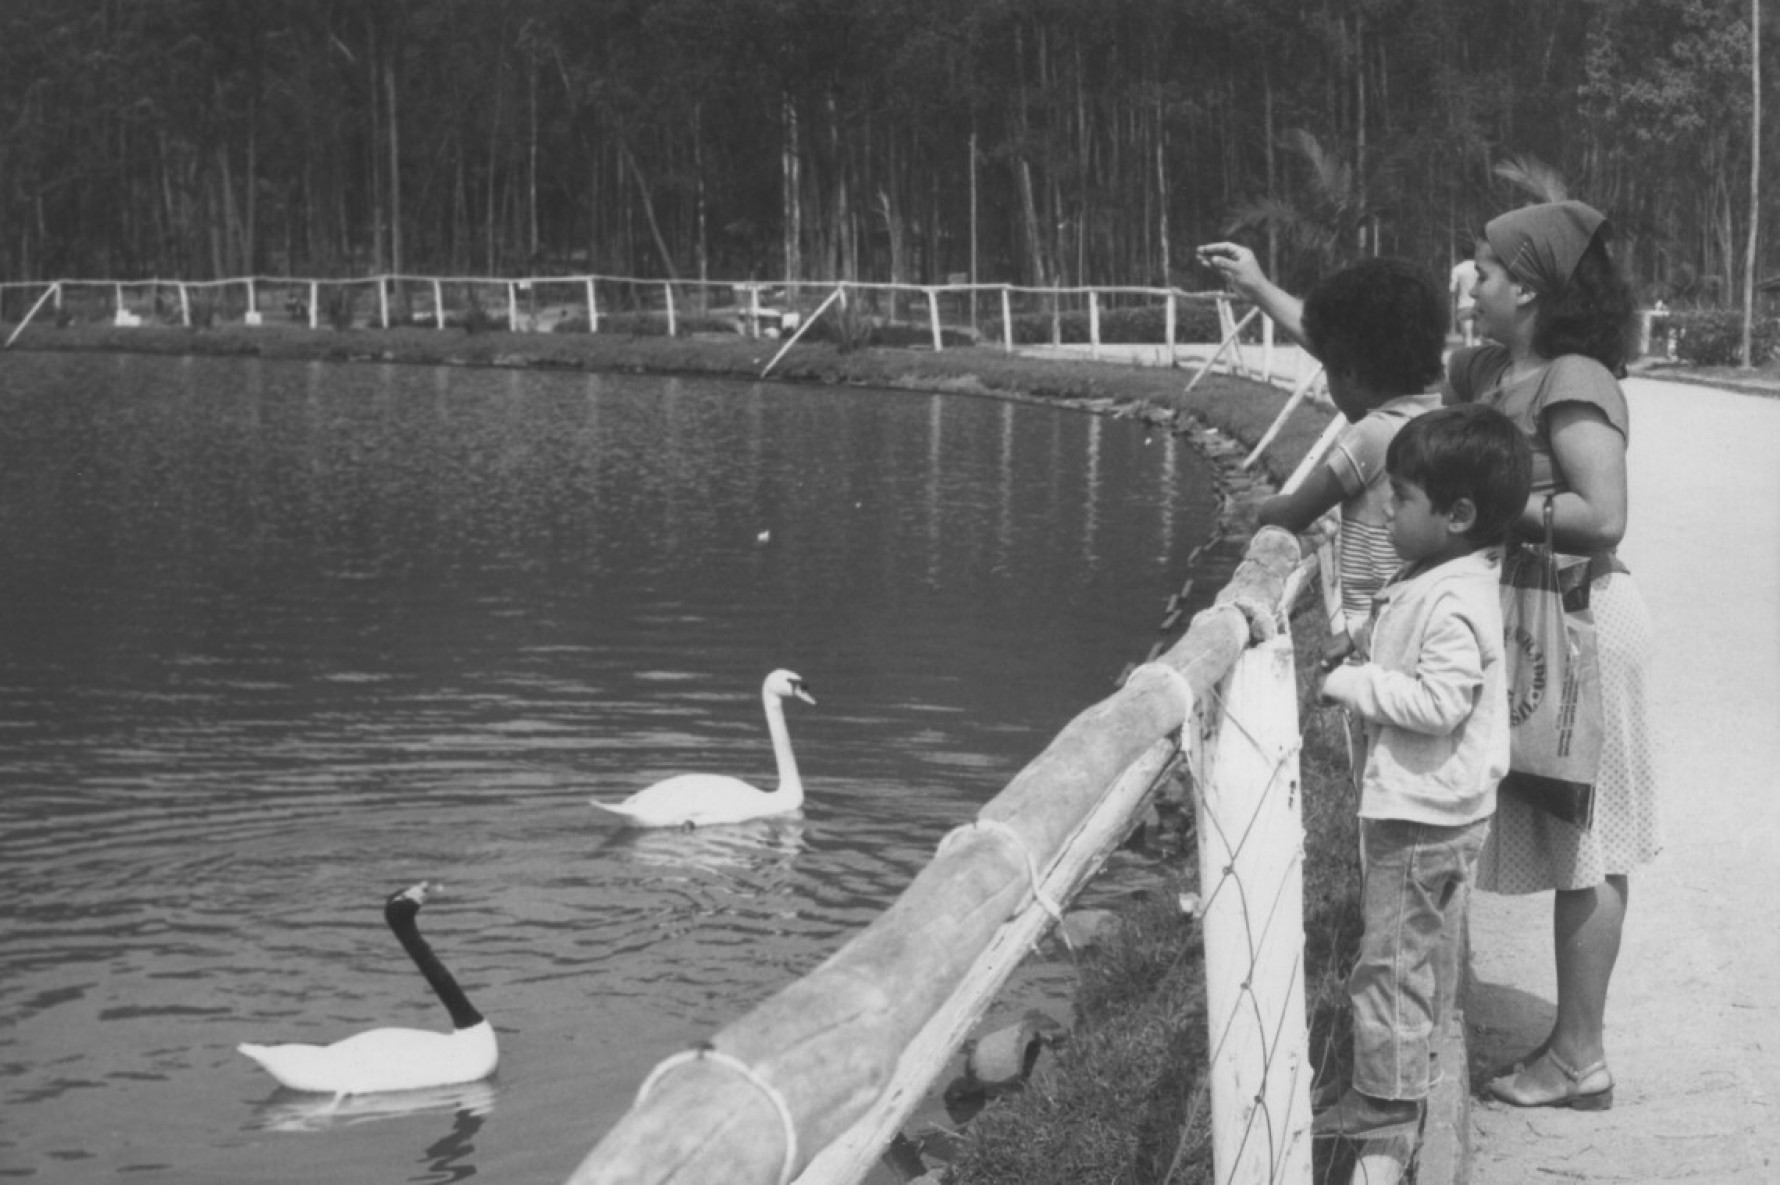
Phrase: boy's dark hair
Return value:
(1470, 451)
(1593, 315)
(1382, 320)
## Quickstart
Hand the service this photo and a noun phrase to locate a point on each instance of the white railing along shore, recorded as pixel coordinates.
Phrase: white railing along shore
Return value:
(948, 312)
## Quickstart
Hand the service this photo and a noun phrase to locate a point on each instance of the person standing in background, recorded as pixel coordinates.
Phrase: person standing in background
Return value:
(1464, 304)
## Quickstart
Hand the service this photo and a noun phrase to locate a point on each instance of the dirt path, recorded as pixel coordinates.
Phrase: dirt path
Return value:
(1694, 1017)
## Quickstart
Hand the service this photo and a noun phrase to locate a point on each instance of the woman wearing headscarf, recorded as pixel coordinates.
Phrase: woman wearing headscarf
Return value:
(1556, 316)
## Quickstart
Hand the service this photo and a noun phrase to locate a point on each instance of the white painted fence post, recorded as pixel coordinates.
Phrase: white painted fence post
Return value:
(1168, 321)
(383, 301)
(933, 319)
(669, 290)
(1093, 323)
(1007, 320)
(593, 310)
(512, 307)
(185, 305)
(1251, 849)
(314, 304)
(438, 305)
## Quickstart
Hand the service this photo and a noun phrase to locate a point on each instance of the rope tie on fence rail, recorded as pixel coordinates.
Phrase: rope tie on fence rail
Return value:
(1013, 839)
(1181, 686)
(709, 1053)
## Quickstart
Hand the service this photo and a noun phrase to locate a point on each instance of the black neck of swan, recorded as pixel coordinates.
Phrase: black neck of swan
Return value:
(402, 914)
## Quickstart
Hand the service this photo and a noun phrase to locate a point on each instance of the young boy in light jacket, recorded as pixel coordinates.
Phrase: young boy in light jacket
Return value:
(1430, 685)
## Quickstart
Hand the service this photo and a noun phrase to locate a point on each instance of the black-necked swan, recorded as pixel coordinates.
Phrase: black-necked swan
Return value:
(394, 1059)
(704, 800)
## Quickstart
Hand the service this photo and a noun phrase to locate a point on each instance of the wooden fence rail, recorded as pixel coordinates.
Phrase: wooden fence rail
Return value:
(812, 1083)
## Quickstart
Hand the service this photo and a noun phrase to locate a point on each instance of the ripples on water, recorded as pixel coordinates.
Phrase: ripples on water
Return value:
(277, 640)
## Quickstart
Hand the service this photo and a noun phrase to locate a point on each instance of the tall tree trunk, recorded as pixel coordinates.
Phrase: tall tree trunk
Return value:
(1267, 148)
(1162, 239)
(892, 231)
(460, 214)
(1749, 254)
(791, 181)
(834, 252)
(218, 223)
(230, 259)
(494, 148)
(251, 246)
(375, 155)
(661, 247)
(698, 172)
(1084, 172)
(393, 126)
(1035, 253)
(531, 191)
(974, 214)
(1359, 57)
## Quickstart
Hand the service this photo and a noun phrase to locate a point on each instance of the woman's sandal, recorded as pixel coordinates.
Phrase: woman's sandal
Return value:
(1590, 1089)
(1520, 1063)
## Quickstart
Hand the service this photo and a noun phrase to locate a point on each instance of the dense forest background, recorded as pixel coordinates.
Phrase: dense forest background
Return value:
(1035, 142)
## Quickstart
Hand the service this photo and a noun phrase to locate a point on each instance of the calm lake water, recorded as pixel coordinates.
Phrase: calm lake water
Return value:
(277, 639)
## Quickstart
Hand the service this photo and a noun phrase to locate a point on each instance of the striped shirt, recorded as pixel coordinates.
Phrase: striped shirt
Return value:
(1366, 557)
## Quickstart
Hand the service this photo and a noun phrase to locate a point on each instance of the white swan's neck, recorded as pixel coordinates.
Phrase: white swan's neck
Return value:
(790, 785)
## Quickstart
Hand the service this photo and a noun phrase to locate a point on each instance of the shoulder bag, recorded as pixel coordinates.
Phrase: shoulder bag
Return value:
(1554, 683)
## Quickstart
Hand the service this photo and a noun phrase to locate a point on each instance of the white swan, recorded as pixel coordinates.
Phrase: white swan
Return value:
(704, 800)
(394, 1059)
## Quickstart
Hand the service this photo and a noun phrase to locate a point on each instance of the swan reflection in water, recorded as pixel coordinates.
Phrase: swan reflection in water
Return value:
(735, 851)
(297, 1111)
(449, 1157)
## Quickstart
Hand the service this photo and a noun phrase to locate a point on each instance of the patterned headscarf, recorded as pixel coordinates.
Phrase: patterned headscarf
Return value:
(1540, 245)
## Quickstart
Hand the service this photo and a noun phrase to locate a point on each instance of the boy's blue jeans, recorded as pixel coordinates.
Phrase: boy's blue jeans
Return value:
(1414, 899)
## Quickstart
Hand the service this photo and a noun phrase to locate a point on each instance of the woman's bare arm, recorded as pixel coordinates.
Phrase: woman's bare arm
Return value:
(1590, 453)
